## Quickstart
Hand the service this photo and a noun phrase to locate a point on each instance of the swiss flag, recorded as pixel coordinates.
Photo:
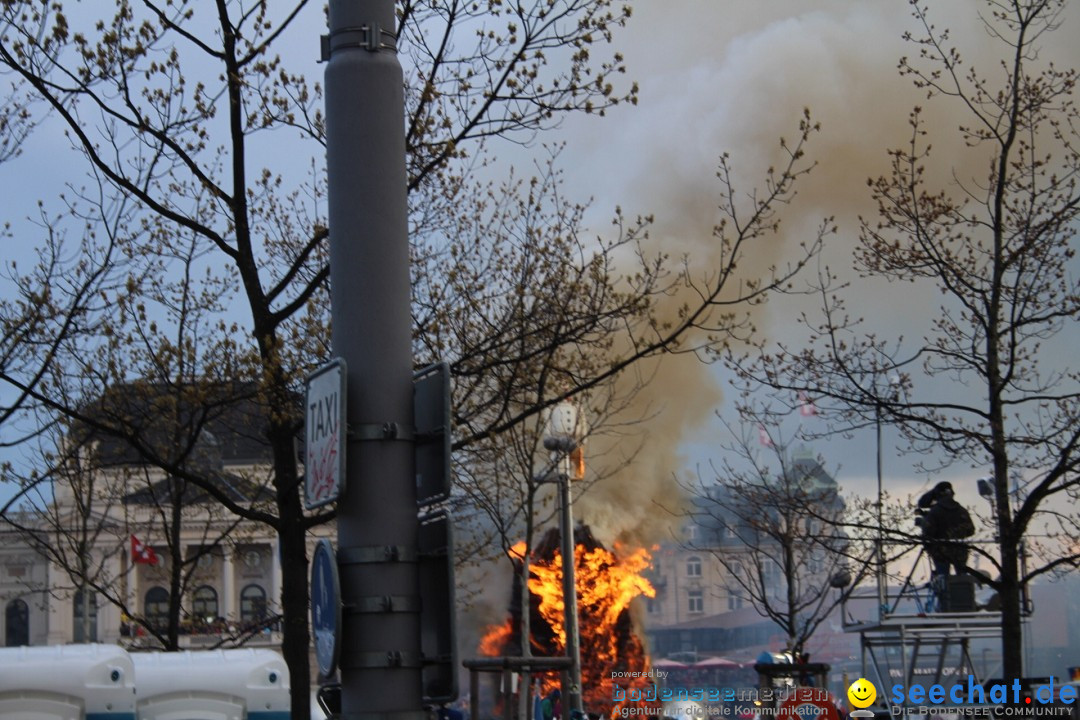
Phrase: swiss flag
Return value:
(141, 553)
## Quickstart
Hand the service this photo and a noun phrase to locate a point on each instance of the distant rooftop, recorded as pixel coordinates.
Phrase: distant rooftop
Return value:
(219, 423)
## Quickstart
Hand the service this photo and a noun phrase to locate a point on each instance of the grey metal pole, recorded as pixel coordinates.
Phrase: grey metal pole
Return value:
(370, 295)
(570, 610)
(879, 542)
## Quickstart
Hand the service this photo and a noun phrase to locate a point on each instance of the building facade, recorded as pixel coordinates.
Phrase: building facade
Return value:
(231, 594)
(118, 544)
(701, 609)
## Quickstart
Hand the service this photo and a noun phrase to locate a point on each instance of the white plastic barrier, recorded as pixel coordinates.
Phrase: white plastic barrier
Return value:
(67, 682)
(245, 684)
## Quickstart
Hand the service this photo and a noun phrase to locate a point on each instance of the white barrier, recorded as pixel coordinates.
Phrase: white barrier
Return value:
(105, 682)
(67, 682)
(212, 685)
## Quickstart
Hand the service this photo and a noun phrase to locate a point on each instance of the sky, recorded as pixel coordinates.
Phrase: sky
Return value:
(734, 76)
(715, 76)
(722, 76)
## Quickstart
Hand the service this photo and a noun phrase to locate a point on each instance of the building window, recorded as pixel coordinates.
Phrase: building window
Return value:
(693, 566)
(85, 626)
(156, 607)
(695, 601)
(734, 601)
(771, 580)
(253, 559)
(204, 605)
(17, 623)
(252, 604)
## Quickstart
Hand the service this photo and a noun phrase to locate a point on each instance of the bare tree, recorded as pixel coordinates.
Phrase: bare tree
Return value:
(168, 105)
(17, 120)
(777, 525)
(61, 299)
(64, 521)
(100, 459)
(78, 513)
(502, 70)
(519, 301)
(981, 388)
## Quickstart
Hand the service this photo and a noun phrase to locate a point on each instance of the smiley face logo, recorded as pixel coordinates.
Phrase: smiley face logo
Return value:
(862, 693)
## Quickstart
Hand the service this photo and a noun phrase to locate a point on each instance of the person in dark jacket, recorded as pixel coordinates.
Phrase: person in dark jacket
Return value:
(945, 523)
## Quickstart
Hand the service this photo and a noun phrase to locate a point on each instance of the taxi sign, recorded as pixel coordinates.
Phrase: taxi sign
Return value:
(324, 435)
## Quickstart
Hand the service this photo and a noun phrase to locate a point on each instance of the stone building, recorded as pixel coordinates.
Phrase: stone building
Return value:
(114, 531)
(699, 610)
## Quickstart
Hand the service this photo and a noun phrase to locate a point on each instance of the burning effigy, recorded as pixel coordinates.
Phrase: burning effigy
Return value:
(607, 581)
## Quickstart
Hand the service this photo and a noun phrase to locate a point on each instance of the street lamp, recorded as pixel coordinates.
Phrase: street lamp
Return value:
(562, 436)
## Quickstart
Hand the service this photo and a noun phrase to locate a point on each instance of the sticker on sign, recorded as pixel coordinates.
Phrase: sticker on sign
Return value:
(324, 434)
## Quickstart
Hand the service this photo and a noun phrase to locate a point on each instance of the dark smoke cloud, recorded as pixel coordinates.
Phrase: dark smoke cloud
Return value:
(734, 76)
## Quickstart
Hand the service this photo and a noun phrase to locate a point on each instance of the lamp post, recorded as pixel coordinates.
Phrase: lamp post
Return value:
(378, 530)
(879, 543)
(563, 436)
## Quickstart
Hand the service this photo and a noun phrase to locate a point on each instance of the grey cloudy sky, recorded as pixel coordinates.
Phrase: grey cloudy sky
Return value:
(715, 76)
(733, 76)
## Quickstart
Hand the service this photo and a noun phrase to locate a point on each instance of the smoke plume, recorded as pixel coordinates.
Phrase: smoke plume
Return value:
(734, 77)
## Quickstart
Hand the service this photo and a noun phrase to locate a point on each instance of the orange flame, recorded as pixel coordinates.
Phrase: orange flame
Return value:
(606, 584)
(496, 638)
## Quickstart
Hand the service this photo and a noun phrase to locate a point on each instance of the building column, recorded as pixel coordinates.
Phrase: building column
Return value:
(228, 590)
(131, 596)
(57, 622)
(110, 617)
(274, 596)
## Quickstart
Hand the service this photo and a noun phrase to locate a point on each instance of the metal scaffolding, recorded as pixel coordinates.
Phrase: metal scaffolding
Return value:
(907, 638)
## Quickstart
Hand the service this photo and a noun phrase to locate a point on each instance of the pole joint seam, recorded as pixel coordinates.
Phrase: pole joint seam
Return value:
(376, 554)
(389, 430)
(368, 36)
(383, 659)
(384, 604)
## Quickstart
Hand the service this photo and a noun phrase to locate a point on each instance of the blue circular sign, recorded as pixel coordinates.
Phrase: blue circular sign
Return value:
(325, 607)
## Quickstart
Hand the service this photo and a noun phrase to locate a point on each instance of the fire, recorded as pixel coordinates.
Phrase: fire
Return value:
(607, 582)
(496, 639)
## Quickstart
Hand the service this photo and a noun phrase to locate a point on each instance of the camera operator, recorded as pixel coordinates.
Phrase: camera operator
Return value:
(944, 524)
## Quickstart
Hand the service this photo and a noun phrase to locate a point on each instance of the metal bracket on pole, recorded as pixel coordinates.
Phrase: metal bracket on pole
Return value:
(389, 715)
(385, 604)
(389, 430)
(384, 659)
(376, 554)
(369, 37)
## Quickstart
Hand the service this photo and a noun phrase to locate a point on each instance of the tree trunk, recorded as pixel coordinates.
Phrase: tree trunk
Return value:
(1012, 646)
(176, 567)
(292, 537)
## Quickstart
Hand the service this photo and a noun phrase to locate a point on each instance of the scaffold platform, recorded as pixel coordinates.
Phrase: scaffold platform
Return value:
(903, 641)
